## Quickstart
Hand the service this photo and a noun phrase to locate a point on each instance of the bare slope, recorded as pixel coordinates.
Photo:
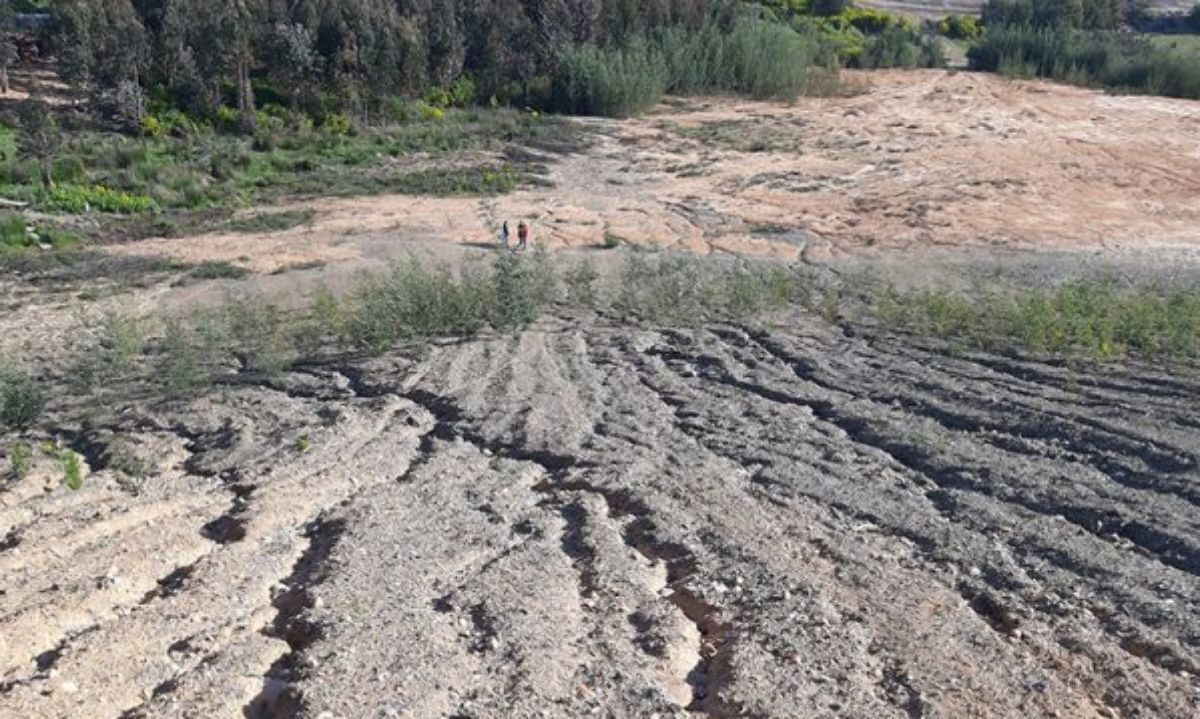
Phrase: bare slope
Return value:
(728, 521)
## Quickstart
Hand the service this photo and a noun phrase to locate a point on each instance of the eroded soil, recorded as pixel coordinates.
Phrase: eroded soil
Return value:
(725, 521)
(795, 519)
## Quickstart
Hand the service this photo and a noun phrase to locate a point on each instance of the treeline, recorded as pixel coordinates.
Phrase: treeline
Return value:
(221, 60)
(1078, 41)
(317, 55)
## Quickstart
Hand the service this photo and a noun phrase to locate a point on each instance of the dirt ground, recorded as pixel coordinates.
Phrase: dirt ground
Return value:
(918, 159)
(583, 521)
(799, 519)
(938, 9)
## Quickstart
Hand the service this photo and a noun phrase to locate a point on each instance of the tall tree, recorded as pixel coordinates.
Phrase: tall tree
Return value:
(8, 43)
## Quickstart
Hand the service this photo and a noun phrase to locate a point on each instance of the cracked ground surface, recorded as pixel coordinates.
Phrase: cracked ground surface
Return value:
(591, 521)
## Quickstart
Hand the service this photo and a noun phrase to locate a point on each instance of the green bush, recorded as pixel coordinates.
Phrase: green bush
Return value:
(1127, 63)
(19, 458)
(614, 82)
(757, 58)
(21, 400)
(336, 123)
(897, 47)
(684, 289)
(960, 27)
(96, 198)
(72, 468)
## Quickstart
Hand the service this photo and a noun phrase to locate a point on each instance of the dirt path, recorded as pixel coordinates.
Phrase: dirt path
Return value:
(731, 522)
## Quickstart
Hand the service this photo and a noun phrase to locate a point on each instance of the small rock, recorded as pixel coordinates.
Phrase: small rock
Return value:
(68, 687)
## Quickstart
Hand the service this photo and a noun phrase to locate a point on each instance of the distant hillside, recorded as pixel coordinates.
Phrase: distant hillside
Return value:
(941, 8)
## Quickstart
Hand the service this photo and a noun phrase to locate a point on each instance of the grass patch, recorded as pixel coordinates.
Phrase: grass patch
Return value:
(685, 289)
(218, 270)
(1095, 318)
(740, 135)
(269, 221)
(478, 180)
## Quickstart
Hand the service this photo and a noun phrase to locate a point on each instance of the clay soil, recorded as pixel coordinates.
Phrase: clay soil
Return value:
(796, 518)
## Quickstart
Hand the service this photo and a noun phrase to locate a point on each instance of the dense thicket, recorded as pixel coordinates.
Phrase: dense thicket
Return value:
(221, 60)
(1057, 14)
(753, 57)
(1108, 59)
(204, 54)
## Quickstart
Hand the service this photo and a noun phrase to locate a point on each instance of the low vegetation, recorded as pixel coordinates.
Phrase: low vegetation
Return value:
(21, 399)
(201, 168)
(1100, 319)
(1128, 63)
(416, 302)
(1084, 43)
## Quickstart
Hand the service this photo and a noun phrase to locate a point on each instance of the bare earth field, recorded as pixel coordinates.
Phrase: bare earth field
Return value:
(937, 9)
(918, 159)
(802, 518)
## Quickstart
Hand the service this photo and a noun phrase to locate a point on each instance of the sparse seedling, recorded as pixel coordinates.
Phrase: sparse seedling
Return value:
(20, 458)
(72, 470)
(303, 445)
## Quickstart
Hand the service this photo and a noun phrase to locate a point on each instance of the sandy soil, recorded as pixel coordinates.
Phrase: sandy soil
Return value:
(919, 159)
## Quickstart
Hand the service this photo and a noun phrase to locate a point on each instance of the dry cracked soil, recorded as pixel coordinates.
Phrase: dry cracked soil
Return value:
(792, 519)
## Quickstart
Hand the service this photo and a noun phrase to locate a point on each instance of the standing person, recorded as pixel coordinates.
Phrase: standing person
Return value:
(504, 235)
(522, 235)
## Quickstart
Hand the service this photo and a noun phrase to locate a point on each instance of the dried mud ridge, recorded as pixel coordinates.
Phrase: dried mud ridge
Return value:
(713, 522)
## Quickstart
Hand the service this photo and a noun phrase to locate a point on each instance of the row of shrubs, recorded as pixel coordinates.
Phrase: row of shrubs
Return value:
(415, 302)
(1097, 318)
(1119, 61)
(757, 58)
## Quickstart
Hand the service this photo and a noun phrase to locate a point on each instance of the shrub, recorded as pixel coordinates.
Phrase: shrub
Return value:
(72, 470)
(21, 400)
(218, 270)
(19, 458)
(960, 27)
(153, 126)
(581, 284)
(1112, 60)
(120, 340)
(1097, 318)
(757, 58)
(614, 82)
(337, 123)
